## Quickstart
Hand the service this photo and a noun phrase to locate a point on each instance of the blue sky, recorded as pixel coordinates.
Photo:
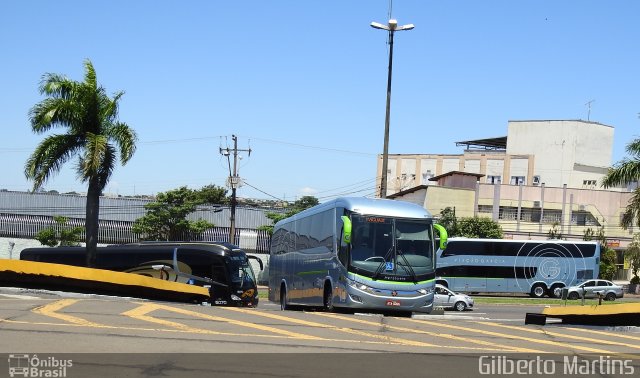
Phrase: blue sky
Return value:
(303, 83)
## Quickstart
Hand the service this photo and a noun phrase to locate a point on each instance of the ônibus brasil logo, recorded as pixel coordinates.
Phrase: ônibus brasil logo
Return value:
(25, 365)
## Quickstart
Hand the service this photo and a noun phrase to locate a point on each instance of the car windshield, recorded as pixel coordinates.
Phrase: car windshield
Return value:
(400, 248)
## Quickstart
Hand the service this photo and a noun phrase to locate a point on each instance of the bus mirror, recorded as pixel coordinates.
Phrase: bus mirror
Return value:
(443, 235)
(258, 259)
(346, 227)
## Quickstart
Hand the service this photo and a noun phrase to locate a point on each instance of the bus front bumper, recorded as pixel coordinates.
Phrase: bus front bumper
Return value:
(388, 300)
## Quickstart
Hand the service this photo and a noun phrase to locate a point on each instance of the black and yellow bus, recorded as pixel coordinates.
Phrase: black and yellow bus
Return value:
(222, 267)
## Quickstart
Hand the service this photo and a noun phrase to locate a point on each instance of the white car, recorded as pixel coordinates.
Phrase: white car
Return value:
(446, 298)
(592, 288)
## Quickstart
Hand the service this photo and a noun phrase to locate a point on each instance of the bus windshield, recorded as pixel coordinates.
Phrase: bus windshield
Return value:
(391, 248)
(241, 273)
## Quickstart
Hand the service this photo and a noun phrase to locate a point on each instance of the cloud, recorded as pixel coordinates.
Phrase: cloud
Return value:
(306, 191)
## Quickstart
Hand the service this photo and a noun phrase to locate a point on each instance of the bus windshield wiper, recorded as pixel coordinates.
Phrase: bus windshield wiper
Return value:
(408, 266)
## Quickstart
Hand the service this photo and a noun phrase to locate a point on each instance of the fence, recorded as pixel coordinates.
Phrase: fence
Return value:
(119, 232)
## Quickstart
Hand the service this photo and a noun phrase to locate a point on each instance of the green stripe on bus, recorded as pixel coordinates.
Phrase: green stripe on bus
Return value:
(394, 282)
(311, 272)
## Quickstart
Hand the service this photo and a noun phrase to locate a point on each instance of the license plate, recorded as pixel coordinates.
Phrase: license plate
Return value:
(393, 303)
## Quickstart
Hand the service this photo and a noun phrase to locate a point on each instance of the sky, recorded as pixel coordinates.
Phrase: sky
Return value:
(303, 83)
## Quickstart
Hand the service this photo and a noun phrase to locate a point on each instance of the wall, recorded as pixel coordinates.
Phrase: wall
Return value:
(566, 152)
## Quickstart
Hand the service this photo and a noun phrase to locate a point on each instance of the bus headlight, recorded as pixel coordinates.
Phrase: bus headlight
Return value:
(426, 291)
(358, 285)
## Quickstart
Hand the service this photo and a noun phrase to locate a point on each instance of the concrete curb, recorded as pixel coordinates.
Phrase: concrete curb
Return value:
(98, 281)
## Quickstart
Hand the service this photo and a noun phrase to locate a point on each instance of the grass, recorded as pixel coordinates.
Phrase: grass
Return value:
(540, 301)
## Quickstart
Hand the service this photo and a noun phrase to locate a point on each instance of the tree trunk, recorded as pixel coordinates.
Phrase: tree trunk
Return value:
(92, 216)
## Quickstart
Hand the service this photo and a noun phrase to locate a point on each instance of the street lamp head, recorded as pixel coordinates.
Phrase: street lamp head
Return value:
(377, 25)
(392, 26)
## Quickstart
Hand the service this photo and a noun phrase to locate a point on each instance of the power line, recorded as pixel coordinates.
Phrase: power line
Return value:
(263, 192)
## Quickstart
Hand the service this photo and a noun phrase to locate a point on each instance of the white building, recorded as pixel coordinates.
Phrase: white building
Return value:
(576, 153)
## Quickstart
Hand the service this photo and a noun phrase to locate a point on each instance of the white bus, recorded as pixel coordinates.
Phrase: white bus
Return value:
(535, 267)
(356, 253)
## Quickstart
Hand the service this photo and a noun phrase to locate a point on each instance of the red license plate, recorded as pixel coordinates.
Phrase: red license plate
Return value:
(391, 302)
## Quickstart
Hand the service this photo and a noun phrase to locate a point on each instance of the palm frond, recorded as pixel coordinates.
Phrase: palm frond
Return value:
(90, 78)
(624, 172)
(631, 215)
(57, 86)
(125, 139)
(94, 152)
(633, 148)
(49, 156)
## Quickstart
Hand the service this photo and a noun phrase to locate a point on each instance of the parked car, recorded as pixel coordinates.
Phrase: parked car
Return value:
(593, 288)
(447, 299)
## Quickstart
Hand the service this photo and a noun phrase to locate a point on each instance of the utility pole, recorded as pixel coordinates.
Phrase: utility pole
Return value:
(234, 182)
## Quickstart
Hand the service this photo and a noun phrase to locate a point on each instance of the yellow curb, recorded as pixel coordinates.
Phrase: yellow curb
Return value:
(125, 280)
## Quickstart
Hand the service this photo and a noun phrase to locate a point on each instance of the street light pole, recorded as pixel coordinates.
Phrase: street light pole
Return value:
(392, 27)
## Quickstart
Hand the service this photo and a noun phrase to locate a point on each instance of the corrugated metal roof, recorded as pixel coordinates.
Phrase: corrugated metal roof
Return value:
(124, 209)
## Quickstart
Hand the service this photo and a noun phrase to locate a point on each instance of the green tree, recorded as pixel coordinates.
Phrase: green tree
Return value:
(449, 221)
(607, 255)
(166, 217)
(479, 227)
(60, 234)
(302, 204)
(632, 254)
(554, 231)
(93, 134)
(625, 172)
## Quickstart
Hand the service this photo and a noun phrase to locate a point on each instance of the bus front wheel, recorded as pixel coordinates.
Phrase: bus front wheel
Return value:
(538, 290)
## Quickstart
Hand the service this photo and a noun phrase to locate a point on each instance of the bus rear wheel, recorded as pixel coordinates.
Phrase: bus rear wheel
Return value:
(556, 291)
(538, 290)
(327, 301)
(283, 298)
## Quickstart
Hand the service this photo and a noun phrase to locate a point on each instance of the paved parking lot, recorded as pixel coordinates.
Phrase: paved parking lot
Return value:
(37, 322)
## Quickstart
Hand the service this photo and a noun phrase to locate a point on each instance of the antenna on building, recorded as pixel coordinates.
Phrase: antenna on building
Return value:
(588, 104)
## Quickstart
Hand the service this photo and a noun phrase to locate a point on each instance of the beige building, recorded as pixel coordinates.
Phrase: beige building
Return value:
(544, 175)
(575, 153)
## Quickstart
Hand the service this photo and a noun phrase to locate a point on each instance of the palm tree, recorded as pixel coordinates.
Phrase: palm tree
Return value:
(625, 172)
(93, 133)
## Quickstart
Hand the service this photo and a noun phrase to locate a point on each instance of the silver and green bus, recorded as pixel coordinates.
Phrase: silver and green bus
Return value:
(356, 253)
(534, 267)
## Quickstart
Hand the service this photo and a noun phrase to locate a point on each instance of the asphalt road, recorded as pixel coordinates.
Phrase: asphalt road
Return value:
(58, 323)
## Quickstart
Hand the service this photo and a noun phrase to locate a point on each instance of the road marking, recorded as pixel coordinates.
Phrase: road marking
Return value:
(616, 335)
(503, 335)
(141, 312)
(557, 334)
(493, 345)
(387, 339)
(16, 296)
(51, 308)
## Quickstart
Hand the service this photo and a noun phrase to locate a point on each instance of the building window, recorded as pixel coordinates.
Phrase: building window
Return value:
(494, 179)
(426, 176)
(517, 180)
(591, 184)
